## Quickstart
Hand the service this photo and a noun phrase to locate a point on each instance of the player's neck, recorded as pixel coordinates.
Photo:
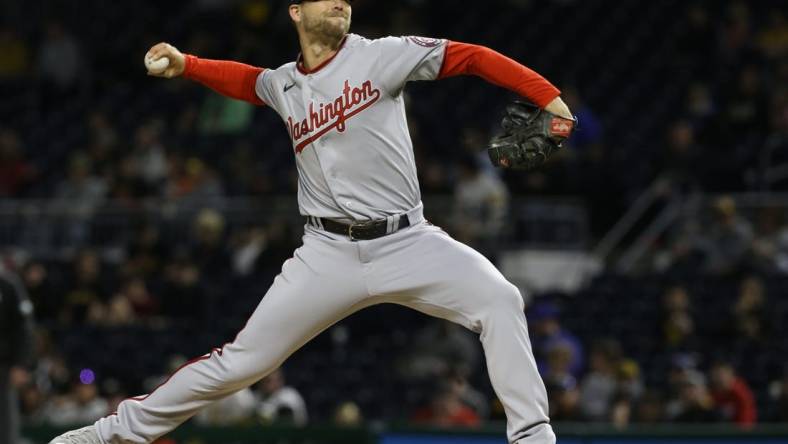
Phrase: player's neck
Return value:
(316, 50)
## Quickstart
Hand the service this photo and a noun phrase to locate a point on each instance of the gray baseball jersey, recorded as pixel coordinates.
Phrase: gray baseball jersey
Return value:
(347, 124)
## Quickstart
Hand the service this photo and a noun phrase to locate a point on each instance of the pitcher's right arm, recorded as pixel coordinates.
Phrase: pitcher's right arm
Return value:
(232, 79)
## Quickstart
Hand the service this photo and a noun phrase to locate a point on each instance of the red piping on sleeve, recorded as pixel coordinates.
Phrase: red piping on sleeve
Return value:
(465, 59)
(231, 79)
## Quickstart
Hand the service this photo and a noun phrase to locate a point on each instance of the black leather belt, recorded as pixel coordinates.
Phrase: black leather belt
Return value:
(360, 230)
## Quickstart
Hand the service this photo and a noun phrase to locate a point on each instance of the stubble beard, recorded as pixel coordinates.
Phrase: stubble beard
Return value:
(330, 31)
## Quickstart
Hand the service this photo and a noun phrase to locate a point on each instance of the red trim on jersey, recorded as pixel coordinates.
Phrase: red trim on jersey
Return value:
(231, 79)
(464, 58)
(300, 60)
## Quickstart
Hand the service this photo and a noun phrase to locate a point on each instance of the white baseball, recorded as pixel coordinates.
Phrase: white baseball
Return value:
(156, 66)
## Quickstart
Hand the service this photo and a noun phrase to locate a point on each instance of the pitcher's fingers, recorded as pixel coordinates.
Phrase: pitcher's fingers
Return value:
(161, 46)
(160, 50)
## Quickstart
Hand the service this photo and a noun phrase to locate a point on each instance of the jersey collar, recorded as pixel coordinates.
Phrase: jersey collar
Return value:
(300, 61)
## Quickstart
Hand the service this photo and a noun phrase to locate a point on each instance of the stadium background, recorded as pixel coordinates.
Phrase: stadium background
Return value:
(148, 217)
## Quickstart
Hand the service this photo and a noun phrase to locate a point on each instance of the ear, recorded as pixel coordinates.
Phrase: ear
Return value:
(295, 13)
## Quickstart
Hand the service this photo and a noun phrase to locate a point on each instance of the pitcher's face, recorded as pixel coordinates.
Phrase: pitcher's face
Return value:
(325, 18)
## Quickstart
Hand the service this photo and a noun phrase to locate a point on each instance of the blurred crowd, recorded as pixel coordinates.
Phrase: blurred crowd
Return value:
(697, 385)
(718, 238)
(707, 111)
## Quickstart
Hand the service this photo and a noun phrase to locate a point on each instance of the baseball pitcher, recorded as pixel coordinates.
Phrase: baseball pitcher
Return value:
(365, 238)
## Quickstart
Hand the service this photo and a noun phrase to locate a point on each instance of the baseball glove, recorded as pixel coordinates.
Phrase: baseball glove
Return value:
(530, 136)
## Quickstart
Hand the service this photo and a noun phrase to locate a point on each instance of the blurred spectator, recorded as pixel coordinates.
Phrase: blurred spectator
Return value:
(773, 38)
(599, 386)
(746, 106)
(547, 334)
(82, 191)
(127, 186)
(31, 404)
(16, 351)
(446, 409)
(231, 410)
(103, 135)
(86, 289)
(778, 394)
(677, 323)
(683, 370)
(132, 302)
(749, 321)
(249, 245)
(16, 174)
(278, 402)
(60, 59)
(700, 105)
(564, 399)
(728, 240)
(15, 62)
(146, 252)
(220, 115)
(245, 173)
(117, 312)
(559, 361)
(630, 388)
(695, 404)
(89, 405)
(769, 248)
(81, 406)
(208, 249)
(457, 380)
(149, 156)
(680, 161)
(191, 179)
(650, 408)
(348, 414)
(183, 296)
(51, 373)
(481, 202)
(630, 382)
(59, 410)
(733, 399)
(697, 43)
(736, 33)
(102, 146)
(439, 346)
(41, 290)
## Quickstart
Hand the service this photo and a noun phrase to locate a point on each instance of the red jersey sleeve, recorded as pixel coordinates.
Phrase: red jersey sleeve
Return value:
(496, 68)
(231, 79)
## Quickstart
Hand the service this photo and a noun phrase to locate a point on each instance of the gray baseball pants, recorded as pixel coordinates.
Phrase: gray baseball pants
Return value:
(328, 278)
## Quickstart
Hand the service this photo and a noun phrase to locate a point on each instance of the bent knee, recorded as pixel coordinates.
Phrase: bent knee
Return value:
(510, 297)
(503, 297)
